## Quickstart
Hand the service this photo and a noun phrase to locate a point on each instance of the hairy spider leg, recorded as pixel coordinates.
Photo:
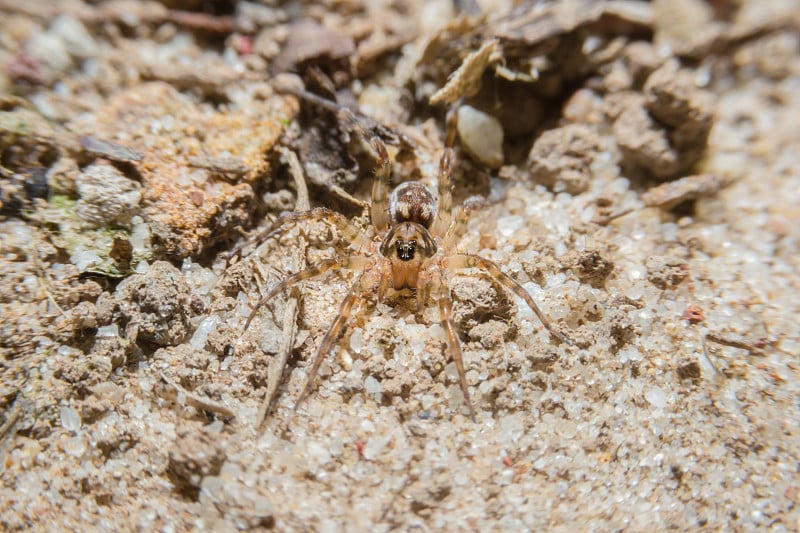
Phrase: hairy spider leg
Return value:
(355, 294)
(444, 209)
(423, 291)
(383, 285)
(440, 291)
(458, 226)
(348, 230)
(451, 125)
(459, 261)
(379, 206)
(345, 262)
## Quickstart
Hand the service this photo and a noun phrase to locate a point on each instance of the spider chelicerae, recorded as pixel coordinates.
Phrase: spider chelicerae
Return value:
(412, 248)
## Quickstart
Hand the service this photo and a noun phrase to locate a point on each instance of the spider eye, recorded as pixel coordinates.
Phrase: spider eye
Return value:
(406, 250)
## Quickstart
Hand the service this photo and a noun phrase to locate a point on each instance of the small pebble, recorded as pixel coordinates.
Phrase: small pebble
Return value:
(112, 330)
(70, 419)
(357, 340)
(656, 397)
(481, 135)
(85, 259)
(75, 446)
(107, 196)
(508, 226)
(75, 37)
(207, 326)
(375, 446)
(372, 385)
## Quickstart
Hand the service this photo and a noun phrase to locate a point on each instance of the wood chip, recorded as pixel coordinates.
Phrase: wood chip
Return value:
(13, 416)
(277, 365)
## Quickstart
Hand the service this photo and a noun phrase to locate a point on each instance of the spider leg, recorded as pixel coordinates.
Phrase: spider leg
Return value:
(459, 261)
(350, 232)
(346, 262)
(444, 210)
(459, 225)
(423, 291)
(330, 337)
(383, 285)
(441, 292)
(451, 125)
(379, 206)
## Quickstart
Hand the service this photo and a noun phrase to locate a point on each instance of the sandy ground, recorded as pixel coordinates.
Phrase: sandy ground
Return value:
(639, 169)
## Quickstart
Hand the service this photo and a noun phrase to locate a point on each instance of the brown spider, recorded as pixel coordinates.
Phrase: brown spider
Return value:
(411, 249)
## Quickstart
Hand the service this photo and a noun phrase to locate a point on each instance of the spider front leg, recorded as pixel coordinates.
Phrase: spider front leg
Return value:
(459, 225)
(330, 337)
(347, 262)
(459, 261)
(444, 209)
(441, 293)
(379, 204)
(350, 232)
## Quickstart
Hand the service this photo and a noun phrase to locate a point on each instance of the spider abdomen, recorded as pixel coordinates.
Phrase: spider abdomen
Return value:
(412, 202)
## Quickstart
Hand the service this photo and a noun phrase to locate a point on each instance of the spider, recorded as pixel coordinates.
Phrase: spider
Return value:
(412, 248)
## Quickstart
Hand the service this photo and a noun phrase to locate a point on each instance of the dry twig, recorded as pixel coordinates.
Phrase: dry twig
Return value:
(278, 364)
(12, 419)
(198, 401)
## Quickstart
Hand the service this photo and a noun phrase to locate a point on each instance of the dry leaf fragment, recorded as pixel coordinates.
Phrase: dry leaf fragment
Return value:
(465, 81)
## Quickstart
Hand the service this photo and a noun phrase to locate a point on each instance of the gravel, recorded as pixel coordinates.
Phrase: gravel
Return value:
(137, 405)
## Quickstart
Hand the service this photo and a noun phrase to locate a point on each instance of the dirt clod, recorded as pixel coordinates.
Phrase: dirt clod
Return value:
(106, 196)
(479, 300)
(669, 195)
(564, 155)
(155, 305)
(590, 266)
(196, 454)
(236, 503)
(665, 272)
(664, 132)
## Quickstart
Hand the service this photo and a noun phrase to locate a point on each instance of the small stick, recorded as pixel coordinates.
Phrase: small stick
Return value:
(605, 220)
(223, 165)
(43, 275)
(278, 364)
(195, 400)
(737, 342)
(303, 203)
(732, 341)
(12, 419)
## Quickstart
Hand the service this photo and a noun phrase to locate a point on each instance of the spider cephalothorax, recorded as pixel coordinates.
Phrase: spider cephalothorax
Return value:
(407, 246)
(413, 249)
